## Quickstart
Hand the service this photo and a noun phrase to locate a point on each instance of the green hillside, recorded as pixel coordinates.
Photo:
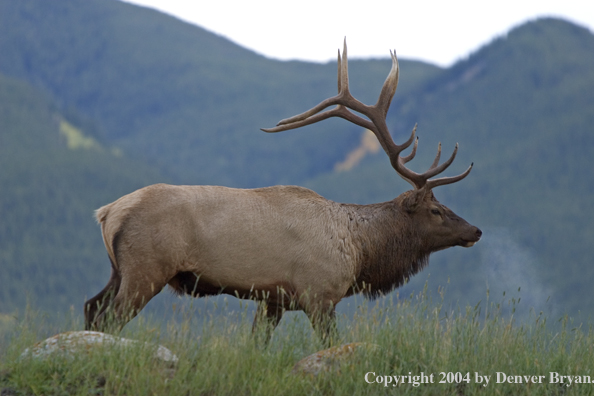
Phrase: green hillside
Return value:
(176, 95)
(99, 97)
(106, 109)
(50, 247)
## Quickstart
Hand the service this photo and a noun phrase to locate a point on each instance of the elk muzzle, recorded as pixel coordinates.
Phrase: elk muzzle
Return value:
(475, 236)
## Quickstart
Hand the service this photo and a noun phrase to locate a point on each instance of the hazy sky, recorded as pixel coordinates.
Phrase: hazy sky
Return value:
(440, 32)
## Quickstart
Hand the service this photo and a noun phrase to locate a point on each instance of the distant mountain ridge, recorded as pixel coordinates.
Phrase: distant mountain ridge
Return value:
(171, 93)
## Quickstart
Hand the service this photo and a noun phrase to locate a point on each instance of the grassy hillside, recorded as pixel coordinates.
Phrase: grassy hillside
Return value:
(429, 349)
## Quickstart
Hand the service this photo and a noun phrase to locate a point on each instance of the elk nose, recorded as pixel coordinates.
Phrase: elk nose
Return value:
(478, 233)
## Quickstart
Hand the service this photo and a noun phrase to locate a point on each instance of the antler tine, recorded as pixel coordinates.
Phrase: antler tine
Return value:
(343, 70)
(343, 92)
(338, 111)
(390, 85)
(448, 180)
(343, 97)
(436, 160)
(435, 170)
(414, 150)
(421, 180)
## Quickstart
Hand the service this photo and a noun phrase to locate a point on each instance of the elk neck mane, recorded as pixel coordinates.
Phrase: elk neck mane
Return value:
(392, 249)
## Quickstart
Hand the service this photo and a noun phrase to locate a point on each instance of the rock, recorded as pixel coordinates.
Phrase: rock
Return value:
(74, 342)
(328, 359)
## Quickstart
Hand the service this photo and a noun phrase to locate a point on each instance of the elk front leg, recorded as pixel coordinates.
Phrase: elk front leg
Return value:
(325, 327)
(323, 320)
(267, 317)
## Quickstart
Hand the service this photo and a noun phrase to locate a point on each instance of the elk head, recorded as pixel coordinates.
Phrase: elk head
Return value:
(444, 226)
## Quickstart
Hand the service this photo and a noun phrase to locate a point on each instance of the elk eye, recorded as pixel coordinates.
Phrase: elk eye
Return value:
(435, 212)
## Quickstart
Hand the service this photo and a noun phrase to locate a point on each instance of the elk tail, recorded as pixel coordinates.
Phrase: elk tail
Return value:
(107, 232)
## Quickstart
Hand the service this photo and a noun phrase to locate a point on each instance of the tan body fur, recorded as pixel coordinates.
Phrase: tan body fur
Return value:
(236, 240)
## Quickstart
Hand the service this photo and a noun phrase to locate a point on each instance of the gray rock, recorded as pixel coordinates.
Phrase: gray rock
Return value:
(75, 342)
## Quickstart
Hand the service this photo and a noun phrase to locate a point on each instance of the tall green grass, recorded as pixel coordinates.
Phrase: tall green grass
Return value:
(410, 338)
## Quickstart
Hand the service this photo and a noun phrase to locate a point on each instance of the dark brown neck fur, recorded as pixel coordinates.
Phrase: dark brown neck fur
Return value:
(392, 249)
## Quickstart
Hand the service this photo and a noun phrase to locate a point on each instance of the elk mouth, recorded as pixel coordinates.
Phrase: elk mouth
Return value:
(470, 242)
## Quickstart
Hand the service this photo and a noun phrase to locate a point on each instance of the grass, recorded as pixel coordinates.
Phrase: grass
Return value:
(415, 339)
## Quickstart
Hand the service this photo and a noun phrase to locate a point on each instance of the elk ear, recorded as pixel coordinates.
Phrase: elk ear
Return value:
(413, 199)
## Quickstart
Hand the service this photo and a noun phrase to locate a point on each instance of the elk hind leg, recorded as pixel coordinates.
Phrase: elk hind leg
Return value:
(96, 306)
(131, 298)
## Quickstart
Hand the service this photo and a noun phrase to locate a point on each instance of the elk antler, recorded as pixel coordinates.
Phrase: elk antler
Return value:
(376, 123)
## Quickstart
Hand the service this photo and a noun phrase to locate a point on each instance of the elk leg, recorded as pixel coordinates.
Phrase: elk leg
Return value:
(323, 320)
(268, 315)
(99, 304)
(130, 299)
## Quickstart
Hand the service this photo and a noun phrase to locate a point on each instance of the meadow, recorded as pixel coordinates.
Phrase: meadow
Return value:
(412, 346)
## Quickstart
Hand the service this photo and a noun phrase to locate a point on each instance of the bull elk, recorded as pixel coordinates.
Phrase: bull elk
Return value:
(285, 246)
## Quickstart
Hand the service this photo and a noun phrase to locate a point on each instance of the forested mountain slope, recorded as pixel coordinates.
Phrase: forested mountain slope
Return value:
(176, 95)
(98, 98)
(52, 178)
